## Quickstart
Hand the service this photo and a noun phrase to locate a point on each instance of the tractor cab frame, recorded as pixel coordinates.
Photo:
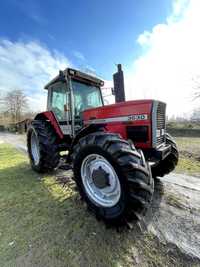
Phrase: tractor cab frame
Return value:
(70, 93)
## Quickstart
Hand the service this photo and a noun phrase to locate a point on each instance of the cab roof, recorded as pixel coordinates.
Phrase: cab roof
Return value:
(76, 75)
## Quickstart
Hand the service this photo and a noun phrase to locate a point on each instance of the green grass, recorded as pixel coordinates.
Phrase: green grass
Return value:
(189, 149)
(188, 166)
(189, 144)
(43, 223)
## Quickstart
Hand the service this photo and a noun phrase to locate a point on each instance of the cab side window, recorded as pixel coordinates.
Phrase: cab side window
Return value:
(58, 100)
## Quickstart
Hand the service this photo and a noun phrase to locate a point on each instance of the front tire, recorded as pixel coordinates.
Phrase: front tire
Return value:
(118, 175)
(169, 163)
(42, 147)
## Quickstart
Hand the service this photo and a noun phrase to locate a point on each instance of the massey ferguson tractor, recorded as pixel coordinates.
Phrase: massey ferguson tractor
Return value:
(115, 150)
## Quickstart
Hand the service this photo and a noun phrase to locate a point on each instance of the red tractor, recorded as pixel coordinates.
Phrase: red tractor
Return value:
(114, 150)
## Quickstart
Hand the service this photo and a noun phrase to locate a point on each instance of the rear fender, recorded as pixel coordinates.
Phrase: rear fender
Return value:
(49, 116)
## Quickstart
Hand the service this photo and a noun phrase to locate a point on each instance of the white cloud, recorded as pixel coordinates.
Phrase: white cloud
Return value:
(29, 66)
(179, 7)
(170, 61)
(143, 39)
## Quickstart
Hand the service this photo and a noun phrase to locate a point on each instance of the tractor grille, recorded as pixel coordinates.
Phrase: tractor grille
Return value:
(160, 119)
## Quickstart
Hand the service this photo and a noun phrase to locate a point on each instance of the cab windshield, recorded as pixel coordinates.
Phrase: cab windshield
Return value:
(86, 96)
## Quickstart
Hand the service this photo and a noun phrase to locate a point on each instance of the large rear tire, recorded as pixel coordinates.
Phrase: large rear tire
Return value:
(169, 163)
(112, 177)
(42, 147)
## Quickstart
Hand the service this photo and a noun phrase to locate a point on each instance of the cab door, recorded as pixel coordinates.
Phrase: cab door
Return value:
(58, 102)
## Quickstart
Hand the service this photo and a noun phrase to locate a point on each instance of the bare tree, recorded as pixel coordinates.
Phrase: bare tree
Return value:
(196, 115)
(196, 87)
(15, 103)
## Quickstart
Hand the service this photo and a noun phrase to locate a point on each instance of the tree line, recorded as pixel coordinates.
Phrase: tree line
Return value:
(14, 107)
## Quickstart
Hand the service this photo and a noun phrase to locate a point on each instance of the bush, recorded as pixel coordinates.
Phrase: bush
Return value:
(2, 128)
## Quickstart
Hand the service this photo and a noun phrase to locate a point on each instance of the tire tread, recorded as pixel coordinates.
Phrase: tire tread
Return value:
(49, 154)
(137, 178)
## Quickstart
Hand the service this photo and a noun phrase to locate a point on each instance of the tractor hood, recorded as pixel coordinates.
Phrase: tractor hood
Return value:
(125, 111)
(142, 121)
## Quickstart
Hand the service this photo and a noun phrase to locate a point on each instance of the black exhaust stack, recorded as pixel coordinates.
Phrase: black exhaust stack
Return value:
(118, 79)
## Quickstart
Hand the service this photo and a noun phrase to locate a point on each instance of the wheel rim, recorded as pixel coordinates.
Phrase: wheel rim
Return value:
(106, 193)
(35, 152)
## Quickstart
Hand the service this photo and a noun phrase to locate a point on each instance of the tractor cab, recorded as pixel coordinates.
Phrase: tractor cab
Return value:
(69, 94)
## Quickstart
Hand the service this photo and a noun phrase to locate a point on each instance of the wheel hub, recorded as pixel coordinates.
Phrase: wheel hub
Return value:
(100, 178)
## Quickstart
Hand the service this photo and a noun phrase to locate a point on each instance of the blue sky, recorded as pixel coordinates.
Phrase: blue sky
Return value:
(156, 41)
(97, 33)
